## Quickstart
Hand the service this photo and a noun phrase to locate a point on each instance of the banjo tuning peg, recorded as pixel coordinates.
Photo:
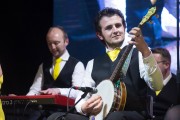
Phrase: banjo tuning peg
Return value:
(156, 15)
(151, 22)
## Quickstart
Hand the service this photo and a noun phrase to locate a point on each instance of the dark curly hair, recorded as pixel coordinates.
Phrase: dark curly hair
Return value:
(108, 11)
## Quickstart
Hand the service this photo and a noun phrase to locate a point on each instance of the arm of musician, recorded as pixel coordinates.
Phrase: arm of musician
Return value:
(77, 80)
(89, 105)
(150, 72)
(36, 86)
(87, 82)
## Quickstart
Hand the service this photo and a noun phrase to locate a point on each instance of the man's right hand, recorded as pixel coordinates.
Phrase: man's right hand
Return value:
(93, 105)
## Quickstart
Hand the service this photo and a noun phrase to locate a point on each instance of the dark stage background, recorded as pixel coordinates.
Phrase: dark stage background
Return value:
(25, 24)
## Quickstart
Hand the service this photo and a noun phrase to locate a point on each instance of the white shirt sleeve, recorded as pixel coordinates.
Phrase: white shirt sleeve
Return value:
(150, 72)
(77, 80)
(87, 82)
(37, 84)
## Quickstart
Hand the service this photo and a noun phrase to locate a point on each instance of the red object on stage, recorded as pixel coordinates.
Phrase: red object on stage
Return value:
(37, 99)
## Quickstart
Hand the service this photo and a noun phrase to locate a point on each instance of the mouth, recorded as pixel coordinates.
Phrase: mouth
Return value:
(117, 36)
(54, 52)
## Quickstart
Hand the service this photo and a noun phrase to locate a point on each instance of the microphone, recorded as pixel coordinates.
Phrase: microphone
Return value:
(85, 89)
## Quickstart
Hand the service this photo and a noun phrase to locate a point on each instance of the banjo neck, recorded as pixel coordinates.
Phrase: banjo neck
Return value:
(115, 75)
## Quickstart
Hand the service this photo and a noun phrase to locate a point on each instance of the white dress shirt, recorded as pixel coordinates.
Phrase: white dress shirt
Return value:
(148, 68)
(77, 78)
(165, 81)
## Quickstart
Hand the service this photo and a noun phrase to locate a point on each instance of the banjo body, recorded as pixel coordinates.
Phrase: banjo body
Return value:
(113, 99)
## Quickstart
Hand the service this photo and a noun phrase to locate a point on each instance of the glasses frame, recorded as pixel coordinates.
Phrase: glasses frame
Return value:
(163, 61)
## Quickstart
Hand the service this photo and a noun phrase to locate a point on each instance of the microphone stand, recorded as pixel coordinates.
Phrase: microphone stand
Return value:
(62, 117)
(178, 72)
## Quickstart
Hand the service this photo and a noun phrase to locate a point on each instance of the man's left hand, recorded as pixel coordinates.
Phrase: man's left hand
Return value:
(139, 41)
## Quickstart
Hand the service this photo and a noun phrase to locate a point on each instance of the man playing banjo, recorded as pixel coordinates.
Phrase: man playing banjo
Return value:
(142, 71)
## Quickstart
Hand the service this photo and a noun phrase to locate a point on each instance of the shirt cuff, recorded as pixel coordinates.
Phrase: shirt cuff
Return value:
(78, 107)
(66, 92)
(63, 92)
(81, 102)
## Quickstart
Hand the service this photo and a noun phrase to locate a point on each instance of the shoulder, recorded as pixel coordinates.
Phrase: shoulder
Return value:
(90, 61)
(75, 61)
(101, 57)
(174, 77)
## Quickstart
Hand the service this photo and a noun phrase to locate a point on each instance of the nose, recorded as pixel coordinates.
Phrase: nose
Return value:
(53, 46)
(115, 29)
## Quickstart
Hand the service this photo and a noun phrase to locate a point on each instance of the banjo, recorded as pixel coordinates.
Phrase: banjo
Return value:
(113, 96)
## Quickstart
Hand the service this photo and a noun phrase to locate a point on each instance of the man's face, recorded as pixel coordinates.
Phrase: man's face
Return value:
(56, 42)
(113, 31)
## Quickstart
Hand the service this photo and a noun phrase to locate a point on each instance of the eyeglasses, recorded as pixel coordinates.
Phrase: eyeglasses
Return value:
(161, 61)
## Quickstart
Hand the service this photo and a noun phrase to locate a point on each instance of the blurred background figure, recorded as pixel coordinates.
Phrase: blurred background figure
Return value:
(168, 96)
(173, 113)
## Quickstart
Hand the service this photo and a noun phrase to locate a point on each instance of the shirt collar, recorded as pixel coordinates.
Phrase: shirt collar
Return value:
(107, 50)
(165, 81)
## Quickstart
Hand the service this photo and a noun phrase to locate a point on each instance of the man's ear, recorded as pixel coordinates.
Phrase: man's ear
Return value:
(167, 65)
(99, 35)
(66, 41)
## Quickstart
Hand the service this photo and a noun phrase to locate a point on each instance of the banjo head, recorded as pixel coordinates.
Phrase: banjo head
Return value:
(106, 90)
